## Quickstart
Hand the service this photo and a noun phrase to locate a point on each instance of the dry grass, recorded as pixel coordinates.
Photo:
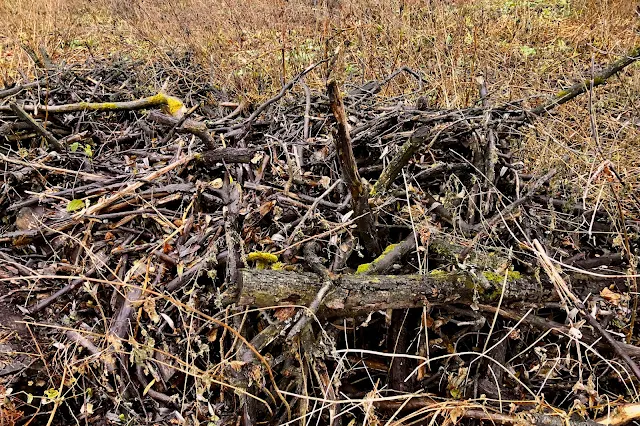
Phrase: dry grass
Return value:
(524, 47)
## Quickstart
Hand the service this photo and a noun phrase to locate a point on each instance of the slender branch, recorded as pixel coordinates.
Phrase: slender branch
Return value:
(22, 114)
(193, 127)
(599, 79)
(280, 94)
(564, 291)
(174, 105)
(416, 141)
(17, 89)
(350, 175)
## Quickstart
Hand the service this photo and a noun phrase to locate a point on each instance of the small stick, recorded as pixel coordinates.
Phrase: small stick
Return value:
(297, 197)
(282, 92)
(485, 227)
(82, 175)
(385, 262)
(188, 126)
(312, 258)
(306, 132)
(416, 141)
(93, 350)
(556, 328)
(67, 289)
(17, 89)
(310, 211)
(57, 146)
(178, 124)
(96, 208)
(511, 207)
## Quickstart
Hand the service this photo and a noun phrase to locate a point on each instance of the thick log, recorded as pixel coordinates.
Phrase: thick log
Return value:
(360, 294)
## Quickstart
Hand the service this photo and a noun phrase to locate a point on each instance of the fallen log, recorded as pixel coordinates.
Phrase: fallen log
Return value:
(356, 294)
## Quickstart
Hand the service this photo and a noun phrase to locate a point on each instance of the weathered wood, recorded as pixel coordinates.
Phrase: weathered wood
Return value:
(357, 187)
(581, 87)
(22, 114)
(193, 127)
(361, 294)
(173, 105)
(417, 140)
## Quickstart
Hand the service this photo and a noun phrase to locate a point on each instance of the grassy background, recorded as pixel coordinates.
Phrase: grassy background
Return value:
(524, 49)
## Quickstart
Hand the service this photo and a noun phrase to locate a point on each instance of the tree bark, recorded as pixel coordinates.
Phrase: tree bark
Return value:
(354, 295)
(359, 190)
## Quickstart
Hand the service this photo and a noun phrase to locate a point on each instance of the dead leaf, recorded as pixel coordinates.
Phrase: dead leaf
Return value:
(216, 183)
(266, 208)
(29, 218)
(325, 181)
(236, 365)
(610, 296)
(149, 307)
(285, 313)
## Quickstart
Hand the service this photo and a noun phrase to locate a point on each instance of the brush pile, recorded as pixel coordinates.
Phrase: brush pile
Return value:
(333, 257)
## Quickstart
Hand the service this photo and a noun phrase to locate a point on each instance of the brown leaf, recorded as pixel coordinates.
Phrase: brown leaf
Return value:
(610, 296)
(29, 218)
(285, 313)
(266, 208)
(236, 365)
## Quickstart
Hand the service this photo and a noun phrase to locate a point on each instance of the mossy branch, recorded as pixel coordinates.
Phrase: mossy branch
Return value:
(392, 254)
(401, 159)
(598, 79)
(424, 136)
(361, 294)
(171, 105)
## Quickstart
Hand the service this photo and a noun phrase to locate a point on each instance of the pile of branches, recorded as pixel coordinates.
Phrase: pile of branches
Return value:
(322, 257)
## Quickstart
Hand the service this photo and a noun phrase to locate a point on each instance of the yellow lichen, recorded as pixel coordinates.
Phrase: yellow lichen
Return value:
(498, 278)
(386, 251)
(170, 105)
(175, 106)
(158, 99)
(100, 106)
(364, 268)
(262, 256)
